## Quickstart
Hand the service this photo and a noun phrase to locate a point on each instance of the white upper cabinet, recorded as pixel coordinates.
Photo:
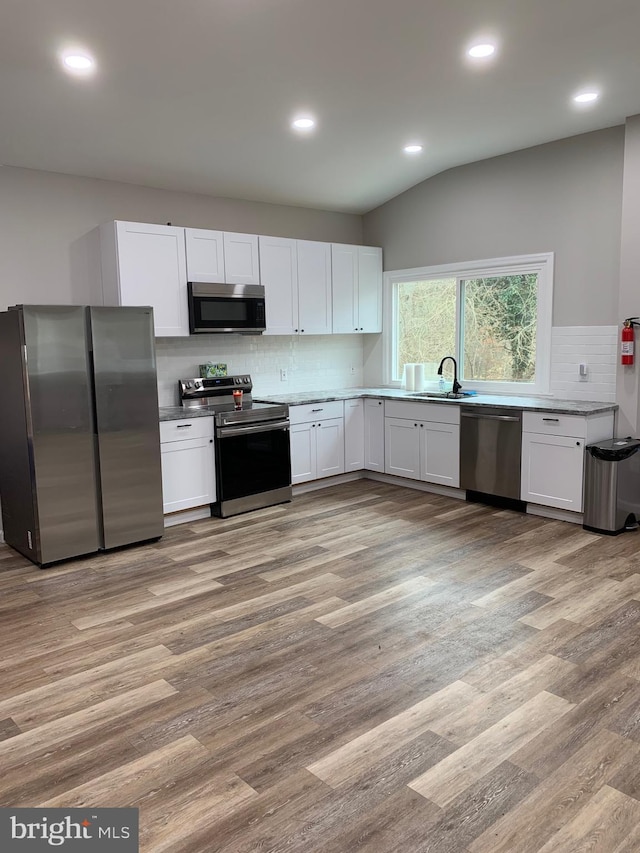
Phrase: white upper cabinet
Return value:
(357, 288)
(370, 288)
(296, 275)
(241, 258)
(145, 265)
(279, 275)
(205, 255)
(344, 260)
(314, 287)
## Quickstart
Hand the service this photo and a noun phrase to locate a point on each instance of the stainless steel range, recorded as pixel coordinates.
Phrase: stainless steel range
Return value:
(252, 446)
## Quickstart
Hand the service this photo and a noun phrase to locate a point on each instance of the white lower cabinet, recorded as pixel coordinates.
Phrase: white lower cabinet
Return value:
(553, 456)
(402, 448)
(552, 470)
(422, 442)
(188, 464)
(374, 435)
(353, 435)
(317, 441)
(440, 453)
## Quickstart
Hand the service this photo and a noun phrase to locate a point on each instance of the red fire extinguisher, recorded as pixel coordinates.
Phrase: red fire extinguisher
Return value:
(627, 340)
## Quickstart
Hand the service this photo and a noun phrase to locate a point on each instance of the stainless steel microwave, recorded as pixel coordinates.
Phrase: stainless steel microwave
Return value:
(215, 308)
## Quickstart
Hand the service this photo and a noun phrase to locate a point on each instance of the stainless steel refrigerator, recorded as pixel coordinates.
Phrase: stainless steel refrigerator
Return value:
(79, 432)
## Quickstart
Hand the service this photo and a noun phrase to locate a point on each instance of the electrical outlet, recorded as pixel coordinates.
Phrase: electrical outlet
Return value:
(284, 376)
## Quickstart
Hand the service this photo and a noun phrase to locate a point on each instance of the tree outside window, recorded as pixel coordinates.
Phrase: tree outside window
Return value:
(497, 323)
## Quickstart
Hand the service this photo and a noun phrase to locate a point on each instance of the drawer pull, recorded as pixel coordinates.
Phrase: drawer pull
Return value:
(184, 426)
(552, 420)
(317, 410)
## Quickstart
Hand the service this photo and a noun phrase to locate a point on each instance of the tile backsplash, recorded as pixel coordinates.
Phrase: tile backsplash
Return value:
(319, 362)
(595, 346)
(312, 363)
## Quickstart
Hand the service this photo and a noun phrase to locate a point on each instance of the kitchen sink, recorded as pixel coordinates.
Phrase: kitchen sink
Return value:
(446, 395)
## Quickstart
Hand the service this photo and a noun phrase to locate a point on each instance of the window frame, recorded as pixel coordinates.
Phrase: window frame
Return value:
(542, 264)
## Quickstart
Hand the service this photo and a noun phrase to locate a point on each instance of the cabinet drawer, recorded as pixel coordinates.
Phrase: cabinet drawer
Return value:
(186, 428)
(316, 412)
(439, 413)
(549, 423)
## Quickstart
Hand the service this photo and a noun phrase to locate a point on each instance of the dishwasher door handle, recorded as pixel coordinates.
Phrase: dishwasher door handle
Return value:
(491, 417)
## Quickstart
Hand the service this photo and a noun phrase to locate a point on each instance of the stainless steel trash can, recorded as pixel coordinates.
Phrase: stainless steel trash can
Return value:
(612, 486)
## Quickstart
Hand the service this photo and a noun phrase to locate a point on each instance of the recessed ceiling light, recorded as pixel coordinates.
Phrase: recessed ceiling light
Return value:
(303, 123)
(481, 51)
(586, 97)
(78, 62)
(412, 149)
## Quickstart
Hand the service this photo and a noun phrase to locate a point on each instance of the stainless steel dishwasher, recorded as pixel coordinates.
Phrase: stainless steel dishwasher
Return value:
(490, 446)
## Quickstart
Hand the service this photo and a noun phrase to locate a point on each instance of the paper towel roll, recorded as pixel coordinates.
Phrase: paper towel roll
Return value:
(418, 377)
(410, 377)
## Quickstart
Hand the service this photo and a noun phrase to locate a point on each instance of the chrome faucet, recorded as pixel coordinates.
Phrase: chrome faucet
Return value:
(456, 385)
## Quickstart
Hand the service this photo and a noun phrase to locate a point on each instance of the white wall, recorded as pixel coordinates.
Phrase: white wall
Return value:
(563, 197)
(628, 392)
(46, 257)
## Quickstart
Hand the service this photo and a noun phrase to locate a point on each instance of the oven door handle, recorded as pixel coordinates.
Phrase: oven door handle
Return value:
(231, 431)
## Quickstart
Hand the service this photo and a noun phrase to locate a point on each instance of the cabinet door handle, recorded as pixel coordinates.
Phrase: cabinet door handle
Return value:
(552, 420)
(577, 444)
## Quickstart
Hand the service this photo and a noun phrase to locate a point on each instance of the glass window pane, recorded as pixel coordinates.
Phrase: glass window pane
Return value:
(426, 323)
(500, 318)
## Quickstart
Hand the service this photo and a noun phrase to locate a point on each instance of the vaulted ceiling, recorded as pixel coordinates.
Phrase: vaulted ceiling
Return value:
(198, 95)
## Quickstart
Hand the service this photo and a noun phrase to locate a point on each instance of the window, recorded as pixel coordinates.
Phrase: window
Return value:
(493, 316)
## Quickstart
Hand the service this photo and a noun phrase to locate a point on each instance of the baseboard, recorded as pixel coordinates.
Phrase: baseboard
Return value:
(433, 488)
(553, 512)
(325, 482)
(419, 485)
(187, 515)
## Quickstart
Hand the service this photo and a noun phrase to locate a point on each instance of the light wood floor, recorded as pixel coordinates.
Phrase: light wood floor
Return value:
(367, 668)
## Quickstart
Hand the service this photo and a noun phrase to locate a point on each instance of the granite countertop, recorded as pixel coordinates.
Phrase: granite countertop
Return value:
(530, 404)
(176, 413)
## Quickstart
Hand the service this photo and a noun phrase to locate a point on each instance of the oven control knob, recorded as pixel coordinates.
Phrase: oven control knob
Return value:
(238, 380)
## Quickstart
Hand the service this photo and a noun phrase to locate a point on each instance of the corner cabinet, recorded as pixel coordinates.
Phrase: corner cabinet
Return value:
(353, 435)
(374, 435)
(317, 441)
(146, 265)
(188, 463)
(357, 288)
(553, 448)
